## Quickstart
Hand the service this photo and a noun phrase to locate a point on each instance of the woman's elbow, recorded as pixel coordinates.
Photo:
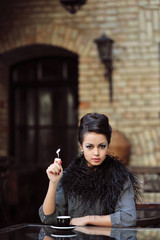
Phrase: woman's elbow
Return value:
(47, 219)
(122, 219)
(129, 221)
(42, 215)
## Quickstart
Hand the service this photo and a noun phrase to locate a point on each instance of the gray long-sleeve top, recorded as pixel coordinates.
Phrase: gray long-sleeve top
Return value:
(123, 216)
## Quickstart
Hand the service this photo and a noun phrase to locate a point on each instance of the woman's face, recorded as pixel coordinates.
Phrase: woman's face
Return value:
(95, 147)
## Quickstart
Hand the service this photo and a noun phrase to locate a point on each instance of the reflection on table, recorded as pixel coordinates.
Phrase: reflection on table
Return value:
(42, 232)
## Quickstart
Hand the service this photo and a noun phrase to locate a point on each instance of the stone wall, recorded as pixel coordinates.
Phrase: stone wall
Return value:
(146, 147)
(134, 25)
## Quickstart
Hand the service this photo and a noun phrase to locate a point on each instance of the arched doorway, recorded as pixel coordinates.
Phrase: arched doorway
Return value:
(43, 117)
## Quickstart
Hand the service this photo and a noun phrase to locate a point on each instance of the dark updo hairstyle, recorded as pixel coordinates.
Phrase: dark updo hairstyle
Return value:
(94, 122)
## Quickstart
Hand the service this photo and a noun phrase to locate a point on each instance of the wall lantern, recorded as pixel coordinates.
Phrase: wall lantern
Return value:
(72, 6)
(104, 45)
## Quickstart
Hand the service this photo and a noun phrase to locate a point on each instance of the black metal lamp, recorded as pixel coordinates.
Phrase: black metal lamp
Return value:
(72, 6)
(105, 45)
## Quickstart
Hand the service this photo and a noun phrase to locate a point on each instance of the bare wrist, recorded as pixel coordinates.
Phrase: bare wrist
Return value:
(53, 184)
(88, 219)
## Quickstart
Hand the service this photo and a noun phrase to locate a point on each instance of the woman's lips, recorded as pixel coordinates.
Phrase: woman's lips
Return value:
(96, 159)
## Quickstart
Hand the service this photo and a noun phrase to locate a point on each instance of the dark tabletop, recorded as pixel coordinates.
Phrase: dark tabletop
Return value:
(43, 232)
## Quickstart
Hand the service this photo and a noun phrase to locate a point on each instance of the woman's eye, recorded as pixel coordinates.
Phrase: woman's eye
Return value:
(102, 146)
(89, 147)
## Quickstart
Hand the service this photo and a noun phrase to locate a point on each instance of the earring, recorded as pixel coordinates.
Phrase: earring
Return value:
(81, 151)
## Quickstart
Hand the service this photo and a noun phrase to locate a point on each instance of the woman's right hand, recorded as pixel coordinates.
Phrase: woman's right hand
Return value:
(55, 171)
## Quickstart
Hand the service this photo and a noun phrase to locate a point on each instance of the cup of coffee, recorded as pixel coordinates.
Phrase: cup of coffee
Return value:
(63, 221)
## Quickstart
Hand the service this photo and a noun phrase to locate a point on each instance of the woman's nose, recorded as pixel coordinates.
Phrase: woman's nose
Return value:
(96, 152)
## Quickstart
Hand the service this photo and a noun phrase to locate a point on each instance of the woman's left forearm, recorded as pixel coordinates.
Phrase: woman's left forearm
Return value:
(96, 220)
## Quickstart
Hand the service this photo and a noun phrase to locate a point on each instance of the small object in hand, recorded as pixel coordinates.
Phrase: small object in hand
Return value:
(58, 150)
(63, 221)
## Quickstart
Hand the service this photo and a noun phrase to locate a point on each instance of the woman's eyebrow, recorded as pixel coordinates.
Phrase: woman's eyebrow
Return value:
(103, 143)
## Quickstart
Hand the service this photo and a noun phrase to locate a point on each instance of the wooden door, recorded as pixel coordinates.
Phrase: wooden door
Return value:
(43, 117)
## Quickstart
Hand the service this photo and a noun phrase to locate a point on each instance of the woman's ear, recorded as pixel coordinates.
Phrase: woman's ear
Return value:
(81, 148)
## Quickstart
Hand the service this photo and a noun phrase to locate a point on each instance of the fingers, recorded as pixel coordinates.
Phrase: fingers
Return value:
(81, 221)
(55, 168)
(58, 160)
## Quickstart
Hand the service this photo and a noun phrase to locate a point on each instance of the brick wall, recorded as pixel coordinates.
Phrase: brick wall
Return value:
(134, 25)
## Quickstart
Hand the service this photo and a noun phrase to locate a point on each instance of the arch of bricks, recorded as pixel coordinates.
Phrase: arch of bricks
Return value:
(56, 35)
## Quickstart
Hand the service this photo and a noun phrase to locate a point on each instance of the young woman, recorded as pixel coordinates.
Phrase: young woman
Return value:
(96, 188)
